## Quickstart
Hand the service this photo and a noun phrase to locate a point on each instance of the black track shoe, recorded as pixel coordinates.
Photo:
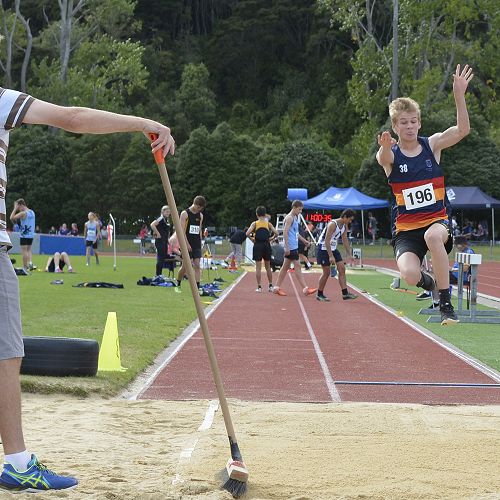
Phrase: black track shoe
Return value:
(448, 315)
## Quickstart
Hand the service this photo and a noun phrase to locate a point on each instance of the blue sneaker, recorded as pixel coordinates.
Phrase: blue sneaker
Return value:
(36, 478)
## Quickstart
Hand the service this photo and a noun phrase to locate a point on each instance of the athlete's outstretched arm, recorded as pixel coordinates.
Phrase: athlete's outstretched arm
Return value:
(454, 134)
(385, 156)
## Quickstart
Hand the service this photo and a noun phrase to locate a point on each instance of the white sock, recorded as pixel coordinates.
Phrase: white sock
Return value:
(19, 460)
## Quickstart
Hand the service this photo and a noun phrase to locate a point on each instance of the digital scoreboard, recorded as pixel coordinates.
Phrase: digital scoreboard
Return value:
(317, 217)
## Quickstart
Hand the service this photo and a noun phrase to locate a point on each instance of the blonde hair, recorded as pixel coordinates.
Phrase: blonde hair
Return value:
(402, 105)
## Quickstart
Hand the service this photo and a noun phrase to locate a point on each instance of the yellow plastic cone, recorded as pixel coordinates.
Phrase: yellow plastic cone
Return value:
(109, 353)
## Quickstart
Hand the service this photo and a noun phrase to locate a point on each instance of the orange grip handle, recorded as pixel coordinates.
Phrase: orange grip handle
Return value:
(157, 154)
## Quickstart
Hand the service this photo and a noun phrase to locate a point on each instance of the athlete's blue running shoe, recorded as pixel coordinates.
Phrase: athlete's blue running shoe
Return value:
(36, 478)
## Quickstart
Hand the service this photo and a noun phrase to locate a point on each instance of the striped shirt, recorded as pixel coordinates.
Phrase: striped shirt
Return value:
(13, 107)
(418, 187)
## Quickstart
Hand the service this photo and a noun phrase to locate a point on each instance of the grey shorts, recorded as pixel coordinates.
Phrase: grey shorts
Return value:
(11, 336)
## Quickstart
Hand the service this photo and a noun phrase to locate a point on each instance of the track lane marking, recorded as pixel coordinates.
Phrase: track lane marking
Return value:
(184, 337)
(485, 370)
(330, 383)
(190, 445)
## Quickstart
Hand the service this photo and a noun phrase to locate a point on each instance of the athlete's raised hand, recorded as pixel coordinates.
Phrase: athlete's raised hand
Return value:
(385, 139)
(461, 79)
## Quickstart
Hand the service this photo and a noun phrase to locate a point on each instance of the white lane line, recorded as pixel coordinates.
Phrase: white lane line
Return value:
(334, 394)
(190, 445)
(209, 416)
(182, 340)
(486, 370)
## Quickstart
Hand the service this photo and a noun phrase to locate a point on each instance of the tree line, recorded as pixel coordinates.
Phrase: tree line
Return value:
(261, 95)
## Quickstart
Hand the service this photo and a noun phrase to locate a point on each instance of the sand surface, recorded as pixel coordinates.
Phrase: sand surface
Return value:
(155, 449)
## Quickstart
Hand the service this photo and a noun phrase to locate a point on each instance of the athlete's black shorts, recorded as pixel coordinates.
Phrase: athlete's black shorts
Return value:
(413, 241)
(90, 243)
(26, 241)
(262, 251)
(293, 255)
(322, 257)
(195, 253)
(52, 267)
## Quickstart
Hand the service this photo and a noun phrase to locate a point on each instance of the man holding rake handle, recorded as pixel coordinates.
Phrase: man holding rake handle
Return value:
(22, 471)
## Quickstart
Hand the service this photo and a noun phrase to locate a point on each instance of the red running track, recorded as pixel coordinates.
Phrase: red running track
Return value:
(488, 278)
(294, 348)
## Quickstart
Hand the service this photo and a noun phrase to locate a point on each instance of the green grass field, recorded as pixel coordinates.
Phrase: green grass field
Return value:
(481, 341)
(149, 318)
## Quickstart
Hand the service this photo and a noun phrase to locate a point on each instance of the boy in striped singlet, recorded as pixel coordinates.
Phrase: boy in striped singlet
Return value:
(421, 218)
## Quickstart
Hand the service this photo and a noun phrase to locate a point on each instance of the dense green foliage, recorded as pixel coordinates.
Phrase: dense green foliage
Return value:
(261, 95)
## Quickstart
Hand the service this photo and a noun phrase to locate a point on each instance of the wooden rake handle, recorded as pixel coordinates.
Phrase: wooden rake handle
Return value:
(186, 259)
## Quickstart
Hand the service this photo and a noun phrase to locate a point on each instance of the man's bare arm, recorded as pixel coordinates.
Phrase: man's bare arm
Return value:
(94, 121)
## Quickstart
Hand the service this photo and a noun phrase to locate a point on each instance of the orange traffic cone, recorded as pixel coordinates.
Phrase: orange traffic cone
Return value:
(232, 265)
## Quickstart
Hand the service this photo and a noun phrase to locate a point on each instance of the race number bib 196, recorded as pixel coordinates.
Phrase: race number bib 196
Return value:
(194, 229)
(419, 196)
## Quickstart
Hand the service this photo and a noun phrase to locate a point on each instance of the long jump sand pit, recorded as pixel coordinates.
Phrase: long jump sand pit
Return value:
(144, 449)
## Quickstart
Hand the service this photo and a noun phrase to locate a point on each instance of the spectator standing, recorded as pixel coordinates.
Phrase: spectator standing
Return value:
(192, 220)
(356, 229)
(372, 227)
(23, 219)
(52, 230)
(236, 240)
(162, 229)
(304, 247)
(261, 231)
(74, 231)
(91, 234)
(328, 255)
(291, 238)
(143, 235)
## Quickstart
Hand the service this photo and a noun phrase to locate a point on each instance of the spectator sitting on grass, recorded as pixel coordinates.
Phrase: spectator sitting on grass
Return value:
(56, 263)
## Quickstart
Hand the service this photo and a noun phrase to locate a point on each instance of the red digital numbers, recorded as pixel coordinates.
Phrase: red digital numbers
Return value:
(317, 217)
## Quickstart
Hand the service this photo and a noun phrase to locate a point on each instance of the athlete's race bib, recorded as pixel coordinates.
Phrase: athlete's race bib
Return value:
(194, 229)
(419, 196)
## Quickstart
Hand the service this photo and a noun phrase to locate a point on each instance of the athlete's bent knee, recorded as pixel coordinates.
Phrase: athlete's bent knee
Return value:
(411, 276)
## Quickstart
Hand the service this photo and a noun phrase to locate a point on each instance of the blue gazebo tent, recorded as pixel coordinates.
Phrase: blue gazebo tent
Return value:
(339, 198)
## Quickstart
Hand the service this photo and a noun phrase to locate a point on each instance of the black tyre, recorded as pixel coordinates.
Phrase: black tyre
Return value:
(60, 356)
